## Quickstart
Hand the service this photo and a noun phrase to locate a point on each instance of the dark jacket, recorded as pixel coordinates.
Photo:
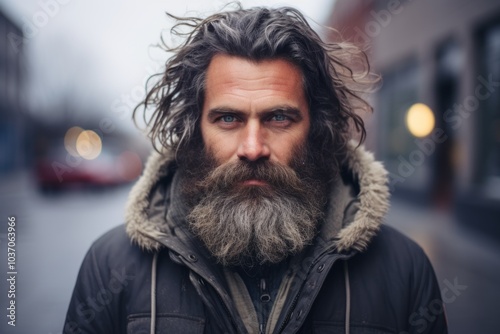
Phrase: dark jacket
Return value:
(358, 277)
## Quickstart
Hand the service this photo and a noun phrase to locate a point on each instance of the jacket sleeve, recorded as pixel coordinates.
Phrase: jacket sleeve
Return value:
(93, 305)
(427, 315)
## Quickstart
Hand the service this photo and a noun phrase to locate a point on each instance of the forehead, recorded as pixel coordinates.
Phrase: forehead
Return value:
(237, 77)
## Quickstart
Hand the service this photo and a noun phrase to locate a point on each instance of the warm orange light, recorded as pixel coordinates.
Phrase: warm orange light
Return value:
(70, 140)
(88, 145)
(420, 120)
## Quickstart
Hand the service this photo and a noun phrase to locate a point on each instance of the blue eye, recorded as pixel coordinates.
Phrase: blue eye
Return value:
(279, 118)
(228, 118)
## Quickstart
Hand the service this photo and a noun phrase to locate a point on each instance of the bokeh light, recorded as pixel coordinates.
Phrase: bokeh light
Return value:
(88, 144)
(420, 120)
(70, 140)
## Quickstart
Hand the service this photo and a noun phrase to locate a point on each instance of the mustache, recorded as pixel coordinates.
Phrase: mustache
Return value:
(278, 176)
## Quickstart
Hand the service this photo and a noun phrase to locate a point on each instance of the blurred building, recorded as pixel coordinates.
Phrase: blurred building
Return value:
(437, 113)
(12, 121)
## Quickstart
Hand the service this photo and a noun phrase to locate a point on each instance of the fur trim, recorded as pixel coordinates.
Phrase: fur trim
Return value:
(373, 202)
(139, 226)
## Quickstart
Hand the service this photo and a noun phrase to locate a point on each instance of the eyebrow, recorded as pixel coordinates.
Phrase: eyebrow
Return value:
(280, 109)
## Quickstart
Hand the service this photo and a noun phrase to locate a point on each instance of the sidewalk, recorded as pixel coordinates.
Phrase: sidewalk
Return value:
(461, 257)
(15, 190)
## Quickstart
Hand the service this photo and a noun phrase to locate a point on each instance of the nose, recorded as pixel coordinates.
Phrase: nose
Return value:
(253, 144)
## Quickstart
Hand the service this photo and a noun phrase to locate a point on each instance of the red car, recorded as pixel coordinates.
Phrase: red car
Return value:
(58, 170)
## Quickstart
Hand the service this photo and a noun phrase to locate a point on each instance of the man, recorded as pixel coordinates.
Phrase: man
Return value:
(257, 215)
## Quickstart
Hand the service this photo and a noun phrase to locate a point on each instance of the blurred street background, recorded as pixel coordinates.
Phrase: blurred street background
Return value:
(72, 71)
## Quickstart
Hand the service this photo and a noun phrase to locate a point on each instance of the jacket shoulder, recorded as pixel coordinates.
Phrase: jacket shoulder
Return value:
(115, 248)
(394, 251)
(115, 236)
(392, 239)
(111, 271)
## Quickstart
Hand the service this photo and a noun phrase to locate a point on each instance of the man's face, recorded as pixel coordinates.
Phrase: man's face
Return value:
(253, 111)
(256, 191)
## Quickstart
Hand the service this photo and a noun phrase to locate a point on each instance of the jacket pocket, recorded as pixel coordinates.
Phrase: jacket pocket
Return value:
(165, 323)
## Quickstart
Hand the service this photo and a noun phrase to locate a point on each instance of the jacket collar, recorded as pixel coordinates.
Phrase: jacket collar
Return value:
(351, 222)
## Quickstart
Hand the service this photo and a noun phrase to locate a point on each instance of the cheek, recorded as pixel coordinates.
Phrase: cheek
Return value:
(219, 147)
(286, 150)
(221, 144)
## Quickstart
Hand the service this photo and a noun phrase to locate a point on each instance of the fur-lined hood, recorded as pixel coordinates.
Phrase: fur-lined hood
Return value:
(352, 220)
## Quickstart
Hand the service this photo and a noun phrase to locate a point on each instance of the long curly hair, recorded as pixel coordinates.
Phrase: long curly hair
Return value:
(334, 74)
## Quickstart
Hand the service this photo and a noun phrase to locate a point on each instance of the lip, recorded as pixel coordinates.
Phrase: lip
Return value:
(254, 182)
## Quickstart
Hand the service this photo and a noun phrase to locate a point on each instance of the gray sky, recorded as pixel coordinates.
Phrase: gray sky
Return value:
(98, 53)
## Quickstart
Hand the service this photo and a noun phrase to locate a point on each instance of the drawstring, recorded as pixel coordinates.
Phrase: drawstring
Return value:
(153, 293)
(348, 299)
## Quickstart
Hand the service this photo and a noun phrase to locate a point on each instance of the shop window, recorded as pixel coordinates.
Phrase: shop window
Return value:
(397, 144)
(488, 168)
(449, 65)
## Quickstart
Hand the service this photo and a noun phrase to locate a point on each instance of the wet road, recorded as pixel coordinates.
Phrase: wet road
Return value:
(54, 232)
(467, 265)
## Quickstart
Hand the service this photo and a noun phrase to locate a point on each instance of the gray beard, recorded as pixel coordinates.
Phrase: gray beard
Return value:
(240, 232)
(249, 225)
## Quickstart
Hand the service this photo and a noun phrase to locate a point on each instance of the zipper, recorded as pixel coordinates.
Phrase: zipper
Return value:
(264, 298)
(292, 307)
(221, 300)
(200, 282)
(289, 315)
(226, 309)
(296, 299)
